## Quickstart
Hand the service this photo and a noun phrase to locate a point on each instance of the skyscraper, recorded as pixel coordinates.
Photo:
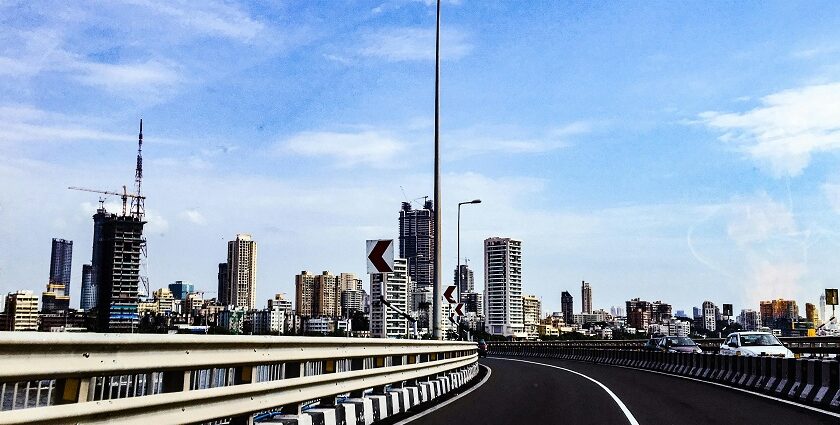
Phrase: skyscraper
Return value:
(57, 295)
(224, 284)
(586, 296)
(242, 272)
(116, 270)
(88, 295)
(305, 294)
(567, 306)
(503, 287)
(812, 314)
(384, 321)
(180, 289)
(709, 316)
(417, 242)
(464, 278)
(61, 261)
(822, 308)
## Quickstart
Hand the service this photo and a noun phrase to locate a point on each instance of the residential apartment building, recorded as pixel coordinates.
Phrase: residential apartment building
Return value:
(503, 287)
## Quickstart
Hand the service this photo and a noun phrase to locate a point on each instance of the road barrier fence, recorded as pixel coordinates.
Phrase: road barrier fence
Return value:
(125, 378)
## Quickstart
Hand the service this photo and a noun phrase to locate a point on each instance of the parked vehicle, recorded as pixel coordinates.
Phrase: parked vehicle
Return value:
(754, 344)
(678, 344)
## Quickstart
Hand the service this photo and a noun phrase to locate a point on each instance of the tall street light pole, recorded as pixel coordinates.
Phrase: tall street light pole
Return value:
(474, 201)
(436, 287)
(458, 249)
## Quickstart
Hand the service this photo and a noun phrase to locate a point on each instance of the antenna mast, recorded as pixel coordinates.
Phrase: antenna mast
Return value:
(138, 208)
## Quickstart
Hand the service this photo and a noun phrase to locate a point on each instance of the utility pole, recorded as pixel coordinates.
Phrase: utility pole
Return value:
(436, 287)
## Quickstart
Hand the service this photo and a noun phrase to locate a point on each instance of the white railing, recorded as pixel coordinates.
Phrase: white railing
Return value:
(158, 379)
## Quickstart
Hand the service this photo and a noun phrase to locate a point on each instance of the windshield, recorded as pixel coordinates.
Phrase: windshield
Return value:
(759, 340)
(679, 341)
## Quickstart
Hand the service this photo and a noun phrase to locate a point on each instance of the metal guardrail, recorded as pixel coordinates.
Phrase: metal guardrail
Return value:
(819, 345)
(56, 377)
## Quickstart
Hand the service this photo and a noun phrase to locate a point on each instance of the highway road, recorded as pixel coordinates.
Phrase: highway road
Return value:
(551, 391)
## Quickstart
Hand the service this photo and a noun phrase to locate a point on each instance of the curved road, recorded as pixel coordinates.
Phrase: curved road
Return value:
(519, 393)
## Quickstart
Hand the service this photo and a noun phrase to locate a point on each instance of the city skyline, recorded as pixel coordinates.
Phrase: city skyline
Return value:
(654, 177)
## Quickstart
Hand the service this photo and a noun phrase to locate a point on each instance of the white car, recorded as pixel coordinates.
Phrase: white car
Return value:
(752, 344)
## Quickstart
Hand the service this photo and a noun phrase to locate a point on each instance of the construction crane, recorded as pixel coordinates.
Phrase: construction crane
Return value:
(125, 195)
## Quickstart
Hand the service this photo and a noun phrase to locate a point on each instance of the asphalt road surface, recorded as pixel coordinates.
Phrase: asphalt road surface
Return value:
(526, 393)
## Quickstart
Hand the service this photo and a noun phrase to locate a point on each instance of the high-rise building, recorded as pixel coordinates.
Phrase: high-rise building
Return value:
(812, 314)
(473, 302)
(327, 296)
(305, 294)
(57, 295)
(822, 308)
(21, 311)
(778, 314)
(567, 305)
(586, 296)
(638, 314)
(61, 266)
(660, 312)
(351, 302)
(242, 272)
(223, 277)
(503, 287)
(531, 315)
(180, 289)
(117, 248)
(394, 287)
(464, 278)
(710, 313)
(88, 295)
(749, 320)
(417, 235)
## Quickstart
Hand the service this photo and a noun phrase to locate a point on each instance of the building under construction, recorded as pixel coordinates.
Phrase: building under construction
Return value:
(118, 245)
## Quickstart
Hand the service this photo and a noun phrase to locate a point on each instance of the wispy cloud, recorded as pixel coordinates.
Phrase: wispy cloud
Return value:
(206, 17)
(512, 140)
(413, 44)
(24, 123)
(375, 148)
(786, 130)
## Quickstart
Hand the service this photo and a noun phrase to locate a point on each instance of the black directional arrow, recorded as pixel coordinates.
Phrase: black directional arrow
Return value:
(448, 294)
(375, 256)
(452, 319)
(458, 310)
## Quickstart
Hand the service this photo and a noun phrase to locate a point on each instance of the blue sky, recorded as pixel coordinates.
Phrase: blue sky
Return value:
(674, 151)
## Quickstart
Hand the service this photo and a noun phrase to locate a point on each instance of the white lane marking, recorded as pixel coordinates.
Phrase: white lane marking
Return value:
(793, 403)
(426, 412)
(617, 400)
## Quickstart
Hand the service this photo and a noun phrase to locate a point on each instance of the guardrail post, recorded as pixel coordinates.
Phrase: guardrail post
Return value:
(72, 390)
(175, 381)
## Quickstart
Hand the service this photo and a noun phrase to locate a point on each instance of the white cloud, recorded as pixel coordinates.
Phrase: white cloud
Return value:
(511, 140)
(24, 123)
(206, 17)
(411, 44)
(194, 217)
(832, 194)
(786, 130)
(759, 219)
(127, 79)
(374, 148)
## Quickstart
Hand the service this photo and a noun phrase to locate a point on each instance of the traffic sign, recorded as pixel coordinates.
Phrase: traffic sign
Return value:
(831, 296)
(452, 319)
(448, 294)
(458, 308)
(380, 256)
(727, 310)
